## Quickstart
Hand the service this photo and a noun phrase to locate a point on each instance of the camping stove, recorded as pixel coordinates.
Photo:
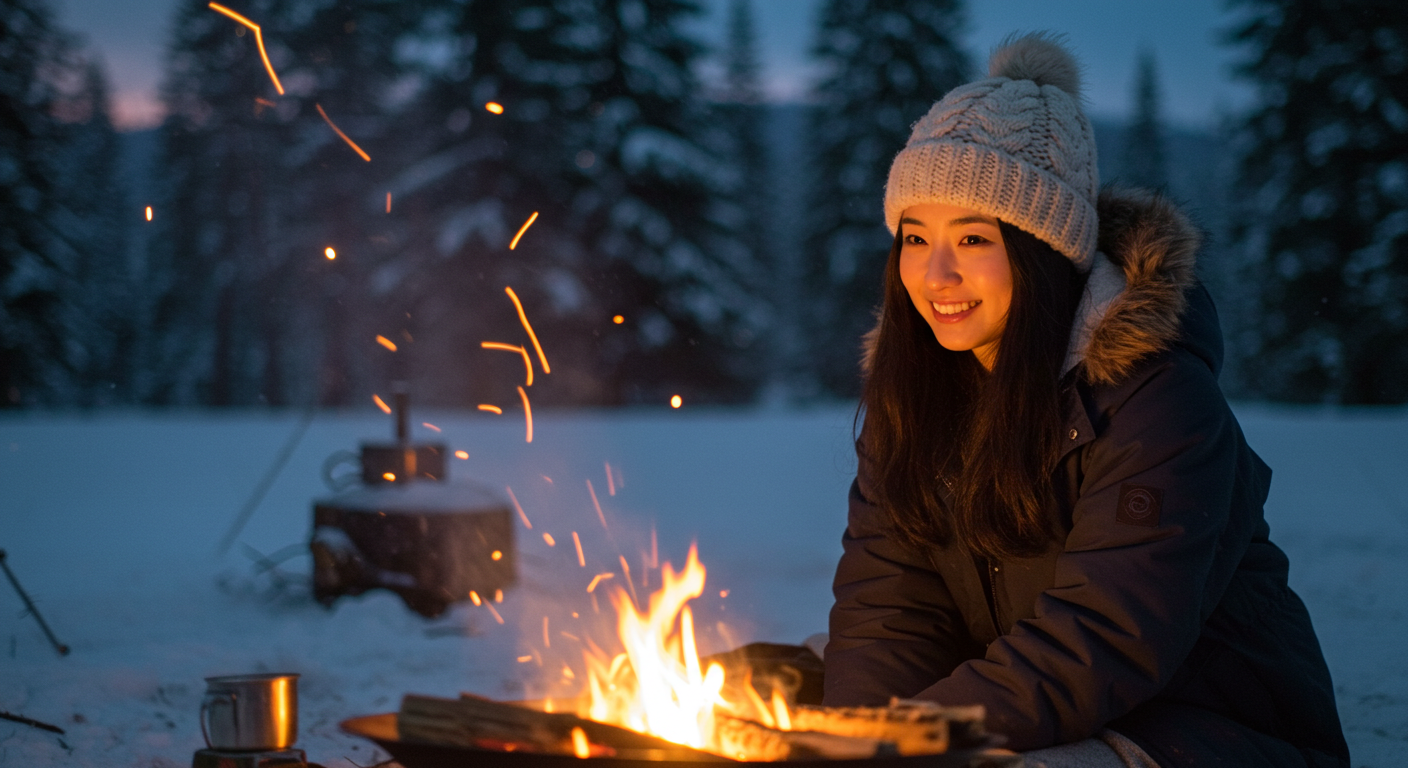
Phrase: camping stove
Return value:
(398, 523)
(276, 758)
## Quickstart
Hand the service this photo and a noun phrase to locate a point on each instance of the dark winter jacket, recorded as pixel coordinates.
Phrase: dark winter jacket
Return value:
(1164, 613)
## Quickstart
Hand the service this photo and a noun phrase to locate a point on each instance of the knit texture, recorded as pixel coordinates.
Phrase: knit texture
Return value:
(1017, 149)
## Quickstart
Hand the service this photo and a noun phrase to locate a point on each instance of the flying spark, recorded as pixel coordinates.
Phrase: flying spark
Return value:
(596, 504)
(525, 659)
(580, 746)
(490, 408)
(495, 107)
(389, 344)
(523, 229)
(429, 426)
(381, 404)
(330, 253)
(344, 136)
(600, 577)
(523, 318)
(258, 40)
(498, 595)
(626, 570)
(474, 597)
(527, 415)
(676, 401)
(547, 537)
(462, 454)
(526, 523)
(618, 319)
(389, 477)
(723, 593)
(527, 361)
(149, 213)
(581, 559)
(547, 638)
(388, 202)
(610, 481)
(497, 617)
(496, 555)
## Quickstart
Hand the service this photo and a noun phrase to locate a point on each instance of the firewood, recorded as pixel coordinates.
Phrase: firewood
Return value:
(480, 723)
(914, 728)
(745, 739)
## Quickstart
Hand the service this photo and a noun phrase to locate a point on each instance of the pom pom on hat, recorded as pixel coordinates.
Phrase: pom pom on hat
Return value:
(1038, 57)
(1015, 145)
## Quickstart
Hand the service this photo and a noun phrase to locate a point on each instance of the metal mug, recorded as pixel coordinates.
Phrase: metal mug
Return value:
(250, 712)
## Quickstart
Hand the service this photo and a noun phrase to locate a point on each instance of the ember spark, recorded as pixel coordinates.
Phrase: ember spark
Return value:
(490, 408)
(523, 229)
(258, 40)
(519, 507)
(389, 344)
(381, 404)
(344, 136)
(527, 415)
(523, 318)
(527, 361)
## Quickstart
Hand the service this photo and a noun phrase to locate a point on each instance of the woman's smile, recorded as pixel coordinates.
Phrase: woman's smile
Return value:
(954, 312)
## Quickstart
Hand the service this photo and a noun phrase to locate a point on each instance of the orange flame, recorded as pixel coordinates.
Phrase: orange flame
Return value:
(527, 361)
(523, 229)
(258, 40)
(523, 318)
(389, 344)
(381, 404)
(344, 136)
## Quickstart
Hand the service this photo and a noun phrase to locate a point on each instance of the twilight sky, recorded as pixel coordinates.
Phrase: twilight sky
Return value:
(1107, 34)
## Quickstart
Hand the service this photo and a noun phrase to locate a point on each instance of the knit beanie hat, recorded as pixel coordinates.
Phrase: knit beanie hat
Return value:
(1015, 146)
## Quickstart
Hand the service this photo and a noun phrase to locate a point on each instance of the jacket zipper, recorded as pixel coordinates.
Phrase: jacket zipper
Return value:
(989, 573)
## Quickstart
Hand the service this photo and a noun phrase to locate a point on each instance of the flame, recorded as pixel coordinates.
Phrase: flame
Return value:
(523, 229)
(258, 40)
(580, 746)
(339, 132)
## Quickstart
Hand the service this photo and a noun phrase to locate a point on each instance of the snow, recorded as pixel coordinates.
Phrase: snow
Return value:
(111, 522)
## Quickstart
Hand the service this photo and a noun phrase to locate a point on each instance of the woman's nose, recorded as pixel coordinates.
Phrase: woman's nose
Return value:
(943, 271)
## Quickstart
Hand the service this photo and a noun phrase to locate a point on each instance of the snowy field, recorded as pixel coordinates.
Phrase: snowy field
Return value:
(111, 522)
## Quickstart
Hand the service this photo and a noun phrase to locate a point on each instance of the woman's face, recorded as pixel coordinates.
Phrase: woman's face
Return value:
(954, 266)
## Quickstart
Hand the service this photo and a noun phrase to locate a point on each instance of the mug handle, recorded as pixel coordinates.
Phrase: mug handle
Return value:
(210, 698)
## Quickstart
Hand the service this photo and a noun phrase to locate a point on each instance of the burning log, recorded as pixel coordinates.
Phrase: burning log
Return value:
(913, 727)
(475, 722)
(747, 740)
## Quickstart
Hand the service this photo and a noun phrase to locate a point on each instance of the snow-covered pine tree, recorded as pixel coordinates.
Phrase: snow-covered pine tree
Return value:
(751, 197)
(886, 62)
(1324, 191)
(216, 259)
(1143, 161)
(599, 134)
(99, 296)
(32, 355)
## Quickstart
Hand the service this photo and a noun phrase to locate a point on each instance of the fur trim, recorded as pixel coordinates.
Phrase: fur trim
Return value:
(1041, 57)
(1155, 246)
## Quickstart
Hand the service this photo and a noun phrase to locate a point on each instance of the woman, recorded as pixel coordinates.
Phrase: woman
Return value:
(1056, 514)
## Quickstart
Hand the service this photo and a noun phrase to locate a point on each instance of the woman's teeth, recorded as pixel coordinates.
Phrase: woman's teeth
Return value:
(953, 309)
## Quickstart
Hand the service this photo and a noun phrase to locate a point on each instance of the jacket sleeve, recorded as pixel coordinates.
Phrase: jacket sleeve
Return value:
(1152, 547)
(894, 627)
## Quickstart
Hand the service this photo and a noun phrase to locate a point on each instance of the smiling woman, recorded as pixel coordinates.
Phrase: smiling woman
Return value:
(1055, 513)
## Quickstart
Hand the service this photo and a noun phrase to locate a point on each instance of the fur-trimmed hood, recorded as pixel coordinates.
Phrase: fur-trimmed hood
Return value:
(1137, 289)
(1136, 293)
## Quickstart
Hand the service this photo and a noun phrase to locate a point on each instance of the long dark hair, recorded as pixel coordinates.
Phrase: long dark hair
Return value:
(936, 418)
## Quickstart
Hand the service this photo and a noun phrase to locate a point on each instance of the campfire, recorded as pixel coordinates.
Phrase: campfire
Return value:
(657, 699)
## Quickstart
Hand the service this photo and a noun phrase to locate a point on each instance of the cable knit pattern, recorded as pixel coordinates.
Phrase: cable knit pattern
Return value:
(1020, 150)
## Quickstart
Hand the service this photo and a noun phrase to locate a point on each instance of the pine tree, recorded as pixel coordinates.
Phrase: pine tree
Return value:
(98, 293)
(32, 354)
(886, 63)
(600, 134)
(1144, 161)
(1324, 190)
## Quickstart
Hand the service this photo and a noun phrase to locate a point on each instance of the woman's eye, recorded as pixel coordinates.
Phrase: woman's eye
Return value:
(914, 240)
(972, 240)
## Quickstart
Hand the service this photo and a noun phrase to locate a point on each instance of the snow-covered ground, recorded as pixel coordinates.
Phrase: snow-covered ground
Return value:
(111, 522)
